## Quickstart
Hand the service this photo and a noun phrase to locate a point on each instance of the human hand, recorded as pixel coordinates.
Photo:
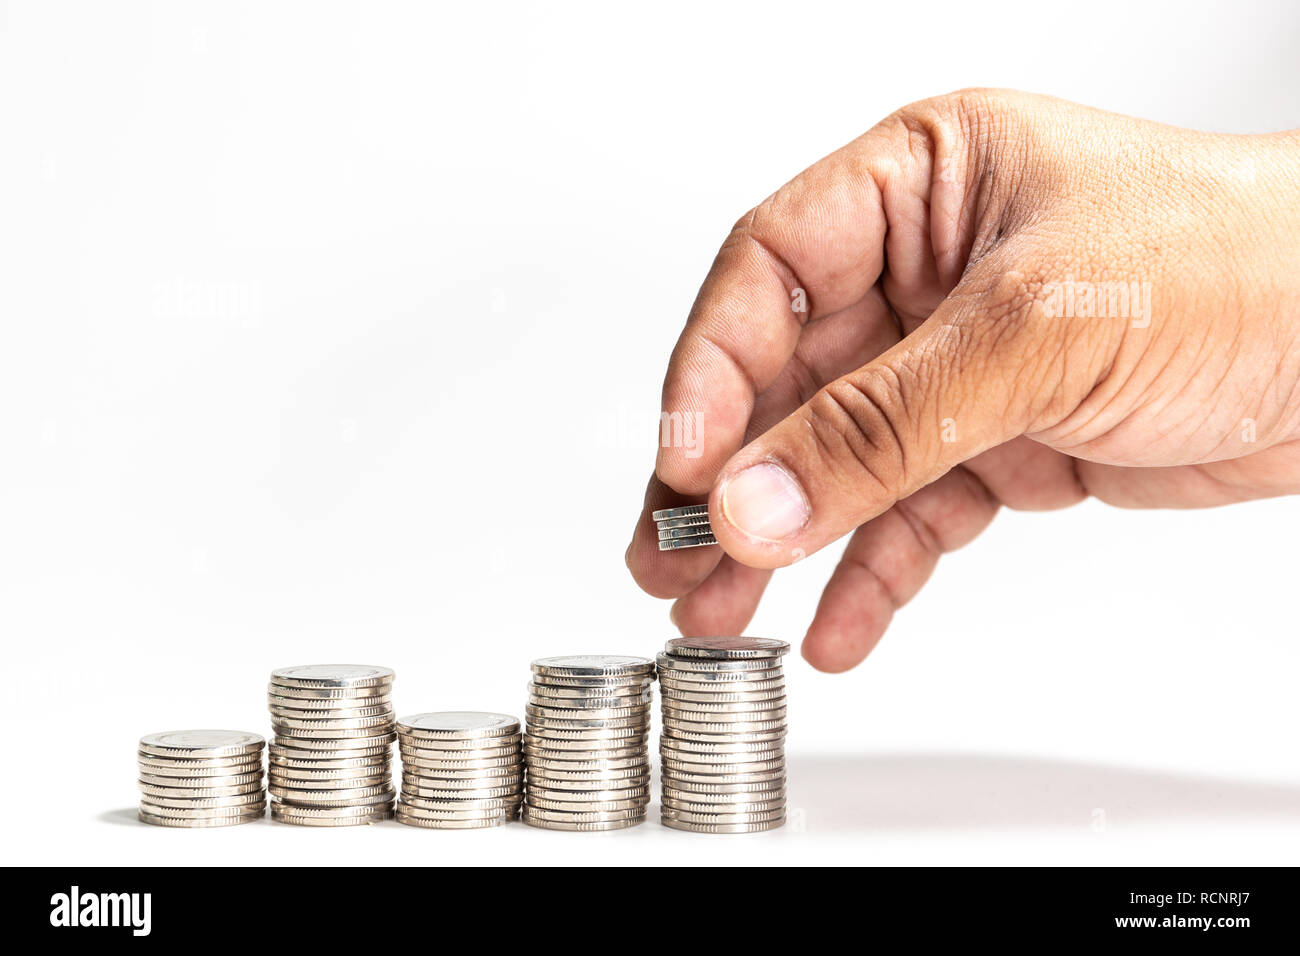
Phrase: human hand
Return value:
(1009, 300)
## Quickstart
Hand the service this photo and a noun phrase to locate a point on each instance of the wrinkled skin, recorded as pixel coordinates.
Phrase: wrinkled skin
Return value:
(938, 372)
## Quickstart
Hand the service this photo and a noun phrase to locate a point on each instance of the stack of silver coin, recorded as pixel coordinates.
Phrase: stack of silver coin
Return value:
(330, 762)
(201, 778)
(723, 743)
(684, 527)
(586, 747)
(461, 770)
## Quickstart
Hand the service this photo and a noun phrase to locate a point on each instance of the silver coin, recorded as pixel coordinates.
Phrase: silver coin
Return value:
(371, 764)
(685, 773)
(493, 763)
(547, 799)
(720, 729)
(687, 522)
(721, 700)
(549, 734)
(409, 747)
(346, 773)
(750, 799)
(717, 721)
(682, 666)
(203, 767)
(589, 770)
(458, 725)
(599, 707)
(687, 531)
(750, 808)
(698, 541)
(332, 675)
(330, 816)
(725, 706)
(595, 686)
(602, 806)
(676, 786)
(625, 695)
(156, 803)
(482, 793)
(594, 790)
(229, 790)
(348, 713)
(747, 769)
(381, 780)
(195, 744)
(713, 819)
(384, 721)
(420, 813)
(583, 749)
(328, 704)
(570, 785)
(199, 823)
(411, 821)
(415, 782)
(537, 722)
(592, 827)
(339, 795)
(669, 745)
(727, 648)
(590, 816)
(510, 802)
(205, 813)
(682, 511)
(340, 696)
(676, 824)
(470, 749)
(308, 749)
(593, 665)
(731, 735)
(358, 737)
(729, 681)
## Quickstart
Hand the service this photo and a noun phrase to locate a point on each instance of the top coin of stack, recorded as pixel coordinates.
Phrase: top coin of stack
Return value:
(723, 741)
(585, 750)
(461, 770)
(684, 527)
(201, 778)
(330, 763)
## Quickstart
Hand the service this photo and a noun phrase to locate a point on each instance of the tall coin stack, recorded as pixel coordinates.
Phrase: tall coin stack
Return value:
(331, 763)
(586, 751)
(461, 770)
(684, 527)
(201, 778)
(723, 741)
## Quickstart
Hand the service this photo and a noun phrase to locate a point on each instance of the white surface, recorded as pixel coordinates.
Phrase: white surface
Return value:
(314, 314)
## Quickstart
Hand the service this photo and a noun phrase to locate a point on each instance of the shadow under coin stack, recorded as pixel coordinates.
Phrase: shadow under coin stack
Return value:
(585, 750)
(201, 778)
(723, 742)
(461, 770)
(684, 527)
(331, 760)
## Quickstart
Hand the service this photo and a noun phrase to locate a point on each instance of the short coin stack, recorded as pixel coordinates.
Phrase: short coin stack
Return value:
(684, 527)
(330, 763)
(723, 742)
(586, 751)
(201, 778)
(461, 770)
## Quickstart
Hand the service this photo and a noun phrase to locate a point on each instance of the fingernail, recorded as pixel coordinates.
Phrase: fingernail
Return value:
(765, 502)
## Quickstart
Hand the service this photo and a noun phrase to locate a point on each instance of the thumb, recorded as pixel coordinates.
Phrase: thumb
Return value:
(958, 385)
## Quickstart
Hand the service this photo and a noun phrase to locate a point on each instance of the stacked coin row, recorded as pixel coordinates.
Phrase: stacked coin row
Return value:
(723, 742)
(330, 762)
(201, 778)
(586, 747)
(685, 527)
(461, 770)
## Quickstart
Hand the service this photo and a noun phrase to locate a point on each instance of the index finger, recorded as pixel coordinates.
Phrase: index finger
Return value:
(814, 247)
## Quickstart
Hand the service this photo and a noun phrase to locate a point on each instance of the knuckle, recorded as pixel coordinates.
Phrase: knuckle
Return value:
(863, 430)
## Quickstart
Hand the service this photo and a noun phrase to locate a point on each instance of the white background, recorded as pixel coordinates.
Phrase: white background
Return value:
(334, 332)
